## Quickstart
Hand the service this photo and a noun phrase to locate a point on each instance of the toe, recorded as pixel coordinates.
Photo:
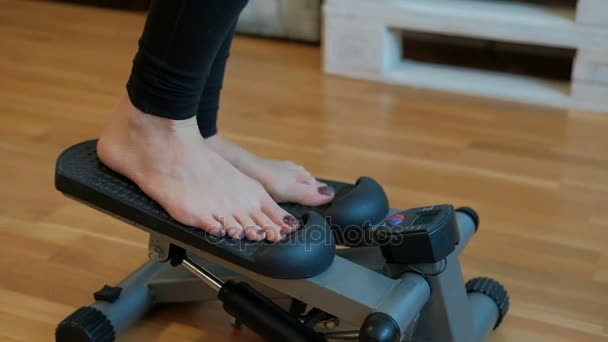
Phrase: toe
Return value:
(311, 194)
(252, 230)
(280, 217)
(325, 190)
(232, 226)
(272, 230)
(307, 179)
(211, 226)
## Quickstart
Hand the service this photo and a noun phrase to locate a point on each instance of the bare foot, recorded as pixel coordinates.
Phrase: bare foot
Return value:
(285, 181)
(170, 162)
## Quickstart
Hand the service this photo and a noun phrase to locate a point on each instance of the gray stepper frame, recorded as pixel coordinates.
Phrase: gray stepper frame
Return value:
(438, 304)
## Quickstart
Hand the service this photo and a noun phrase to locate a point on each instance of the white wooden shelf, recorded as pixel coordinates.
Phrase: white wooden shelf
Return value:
(592, 12)
(362, 39)
(492, 19)
(481, 82)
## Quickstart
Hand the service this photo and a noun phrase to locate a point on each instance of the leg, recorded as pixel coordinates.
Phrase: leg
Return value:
(283, 180)
(209, 102)
(179, 43)
(152, 137)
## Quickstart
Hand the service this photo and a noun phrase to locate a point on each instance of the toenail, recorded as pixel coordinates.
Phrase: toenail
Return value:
(221, 232)
(291, 221)
(326, 190)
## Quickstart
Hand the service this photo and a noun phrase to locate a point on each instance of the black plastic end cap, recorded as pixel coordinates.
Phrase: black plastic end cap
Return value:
(108, 294)
(315, 252)
(495, 291)
(472, 214)
(379, 327)
(86, 324)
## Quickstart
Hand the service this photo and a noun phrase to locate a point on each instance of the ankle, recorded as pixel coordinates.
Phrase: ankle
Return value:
(142, 122)
(130, 118)
(128, 126)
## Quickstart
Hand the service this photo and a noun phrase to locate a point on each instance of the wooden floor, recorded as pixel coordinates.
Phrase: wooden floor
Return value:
(538, 177)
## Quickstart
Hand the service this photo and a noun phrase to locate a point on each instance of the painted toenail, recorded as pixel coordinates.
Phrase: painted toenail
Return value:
(291, 221)
(326, 190)
(221, 232)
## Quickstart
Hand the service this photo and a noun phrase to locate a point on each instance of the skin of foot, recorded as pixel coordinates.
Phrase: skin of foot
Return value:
(170, 162)
(285, 181)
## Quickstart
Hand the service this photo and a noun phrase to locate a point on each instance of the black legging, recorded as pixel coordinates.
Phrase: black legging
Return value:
(179, 67)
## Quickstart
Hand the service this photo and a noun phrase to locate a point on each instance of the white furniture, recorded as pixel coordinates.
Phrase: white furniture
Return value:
(362, 40)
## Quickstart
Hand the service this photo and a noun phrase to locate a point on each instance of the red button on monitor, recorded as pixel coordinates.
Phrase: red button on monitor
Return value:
(396, 219)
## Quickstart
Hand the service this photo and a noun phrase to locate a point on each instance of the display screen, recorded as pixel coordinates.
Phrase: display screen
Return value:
(425, 217)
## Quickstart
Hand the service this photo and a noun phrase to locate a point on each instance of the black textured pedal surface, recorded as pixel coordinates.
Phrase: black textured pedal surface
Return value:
(80, 174)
